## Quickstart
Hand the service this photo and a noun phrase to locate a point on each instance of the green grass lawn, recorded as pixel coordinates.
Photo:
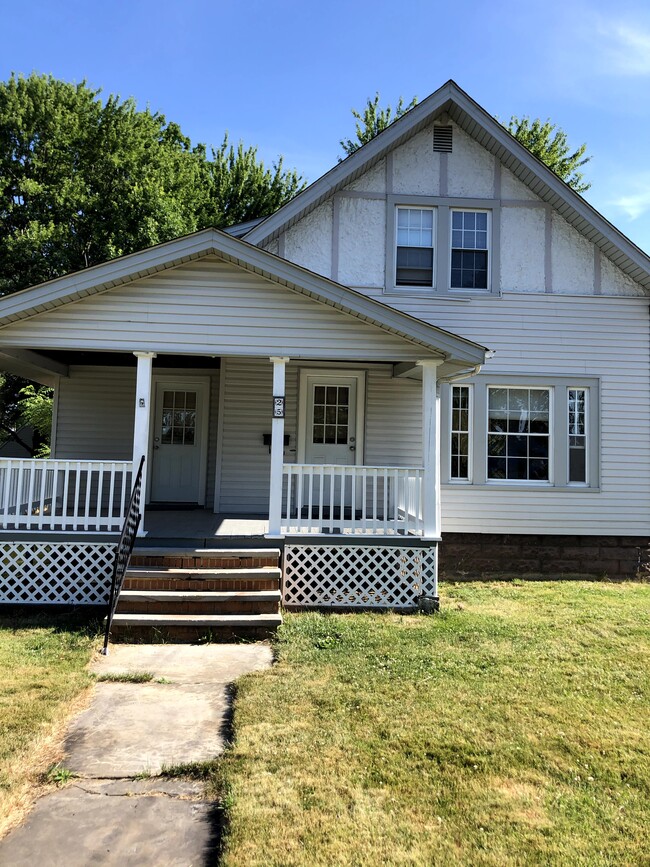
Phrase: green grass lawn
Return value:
(43, 676)
(511, 729)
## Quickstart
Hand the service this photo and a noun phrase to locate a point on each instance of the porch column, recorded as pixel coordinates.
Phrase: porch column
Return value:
(141, 422)
(277, 446)
(430, 449)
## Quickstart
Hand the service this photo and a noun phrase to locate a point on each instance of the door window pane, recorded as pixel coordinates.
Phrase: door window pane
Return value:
(330, 420)
(178, 418)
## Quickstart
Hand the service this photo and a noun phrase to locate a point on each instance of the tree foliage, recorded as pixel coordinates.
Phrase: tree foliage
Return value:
(25, 404)
(549, 144)
(84, 180)
(374, 120)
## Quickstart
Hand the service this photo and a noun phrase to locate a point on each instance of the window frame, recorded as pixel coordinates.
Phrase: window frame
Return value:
(433, 248)
(488, 249)
(443, 207)
(551, 435)
(559, 387)
(453, 480)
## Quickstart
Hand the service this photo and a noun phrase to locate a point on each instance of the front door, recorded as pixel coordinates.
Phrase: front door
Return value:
(179, 441)
(331, 420)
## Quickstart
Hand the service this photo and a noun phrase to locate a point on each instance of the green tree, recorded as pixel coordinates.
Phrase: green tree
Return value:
(374, 120)
(241, 187)
(542, 138)
(549, 144)
(84, 180)
(21, 405)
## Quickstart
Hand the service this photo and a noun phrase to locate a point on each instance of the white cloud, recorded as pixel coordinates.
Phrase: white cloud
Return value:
(634, 205)
(629, 193)
(626, 46)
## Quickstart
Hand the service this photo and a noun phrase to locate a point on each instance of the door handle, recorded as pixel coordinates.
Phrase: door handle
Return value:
(156, 447)
(353, 448)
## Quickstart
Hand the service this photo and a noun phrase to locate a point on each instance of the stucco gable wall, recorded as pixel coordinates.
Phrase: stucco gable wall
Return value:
(539, 252)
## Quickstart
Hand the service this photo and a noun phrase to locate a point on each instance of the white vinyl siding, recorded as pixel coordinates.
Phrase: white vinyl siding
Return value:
(393, 435)
(562, 337)
(95, 408)
(210, 307)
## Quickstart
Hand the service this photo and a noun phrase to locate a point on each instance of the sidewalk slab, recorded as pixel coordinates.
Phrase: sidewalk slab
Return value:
(75, 829)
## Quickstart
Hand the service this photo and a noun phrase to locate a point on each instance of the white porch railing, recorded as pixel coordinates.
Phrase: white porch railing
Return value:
(325, 498)
(78, 496)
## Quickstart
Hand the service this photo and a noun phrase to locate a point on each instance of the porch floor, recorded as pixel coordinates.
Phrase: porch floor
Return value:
(202, 527)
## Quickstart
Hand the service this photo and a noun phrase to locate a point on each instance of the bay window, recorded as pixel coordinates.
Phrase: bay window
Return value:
(531, 432)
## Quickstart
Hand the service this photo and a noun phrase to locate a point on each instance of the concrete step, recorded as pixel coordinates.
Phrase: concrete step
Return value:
(198, 602)
(188, 627)
(190, 579)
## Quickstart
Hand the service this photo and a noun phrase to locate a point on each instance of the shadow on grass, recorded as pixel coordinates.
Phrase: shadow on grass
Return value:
(86, 620)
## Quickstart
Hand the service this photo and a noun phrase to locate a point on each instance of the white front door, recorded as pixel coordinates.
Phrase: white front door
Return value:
(179, 442)
(331, 420)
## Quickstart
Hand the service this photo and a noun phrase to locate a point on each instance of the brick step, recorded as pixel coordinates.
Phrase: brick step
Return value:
(187, 627)
(198, 558)
(198, 602)
(220, 580)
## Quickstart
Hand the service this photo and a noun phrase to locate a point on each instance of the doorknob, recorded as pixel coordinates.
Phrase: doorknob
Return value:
(353, 448)
(156, 447)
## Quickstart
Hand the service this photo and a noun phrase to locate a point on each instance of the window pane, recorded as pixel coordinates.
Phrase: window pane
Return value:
(577, 400)
(518, 442)
(319, 394)
(460, 432)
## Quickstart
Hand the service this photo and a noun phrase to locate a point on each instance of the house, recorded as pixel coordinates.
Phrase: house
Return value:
(436, 353)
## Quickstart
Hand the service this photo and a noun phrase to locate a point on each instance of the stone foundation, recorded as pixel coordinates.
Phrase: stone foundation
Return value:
(485, 555)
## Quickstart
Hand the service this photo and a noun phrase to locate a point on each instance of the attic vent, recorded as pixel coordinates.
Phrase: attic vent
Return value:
(442, 139)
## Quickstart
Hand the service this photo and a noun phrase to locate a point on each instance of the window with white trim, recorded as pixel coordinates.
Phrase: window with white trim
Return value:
(534, 432)
(469, 249)
(414, 260)
(519, 434)
(460, 431)
(577, 413)
(442, 245)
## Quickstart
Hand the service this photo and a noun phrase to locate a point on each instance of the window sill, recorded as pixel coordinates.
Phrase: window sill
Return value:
(446, 295)
(523, 486)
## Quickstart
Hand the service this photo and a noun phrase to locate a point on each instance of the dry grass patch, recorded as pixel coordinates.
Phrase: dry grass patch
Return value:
(44, 681)
(511, 729)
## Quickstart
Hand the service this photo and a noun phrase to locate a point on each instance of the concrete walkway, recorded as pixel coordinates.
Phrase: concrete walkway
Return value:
(122, 809)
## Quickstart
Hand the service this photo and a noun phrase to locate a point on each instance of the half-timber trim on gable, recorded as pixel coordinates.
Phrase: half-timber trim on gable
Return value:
(489, 133)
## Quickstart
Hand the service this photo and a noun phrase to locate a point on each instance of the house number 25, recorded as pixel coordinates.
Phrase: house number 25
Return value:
(278, 407)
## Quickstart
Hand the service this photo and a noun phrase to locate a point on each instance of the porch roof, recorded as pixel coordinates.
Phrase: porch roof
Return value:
(74, 287)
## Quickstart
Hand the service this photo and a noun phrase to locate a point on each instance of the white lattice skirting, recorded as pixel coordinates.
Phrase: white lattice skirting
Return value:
(357, 575)
(55, 573)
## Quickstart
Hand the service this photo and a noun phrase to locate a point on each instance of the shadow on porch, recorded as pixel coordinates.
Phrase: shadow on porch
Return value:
(202, 528)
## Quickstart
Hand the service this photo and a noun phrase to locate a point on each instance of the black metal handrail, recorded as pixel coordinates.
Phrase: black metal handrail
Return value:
(124, 550)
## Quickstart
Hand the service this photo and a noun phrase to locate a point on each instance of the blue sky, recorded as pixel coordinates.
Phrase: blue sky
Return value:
(284, 75)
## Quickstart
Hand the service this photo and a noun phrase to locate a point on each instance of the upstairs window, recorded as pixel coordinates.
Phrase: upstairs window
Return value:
(414, 254)
(469, 249)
